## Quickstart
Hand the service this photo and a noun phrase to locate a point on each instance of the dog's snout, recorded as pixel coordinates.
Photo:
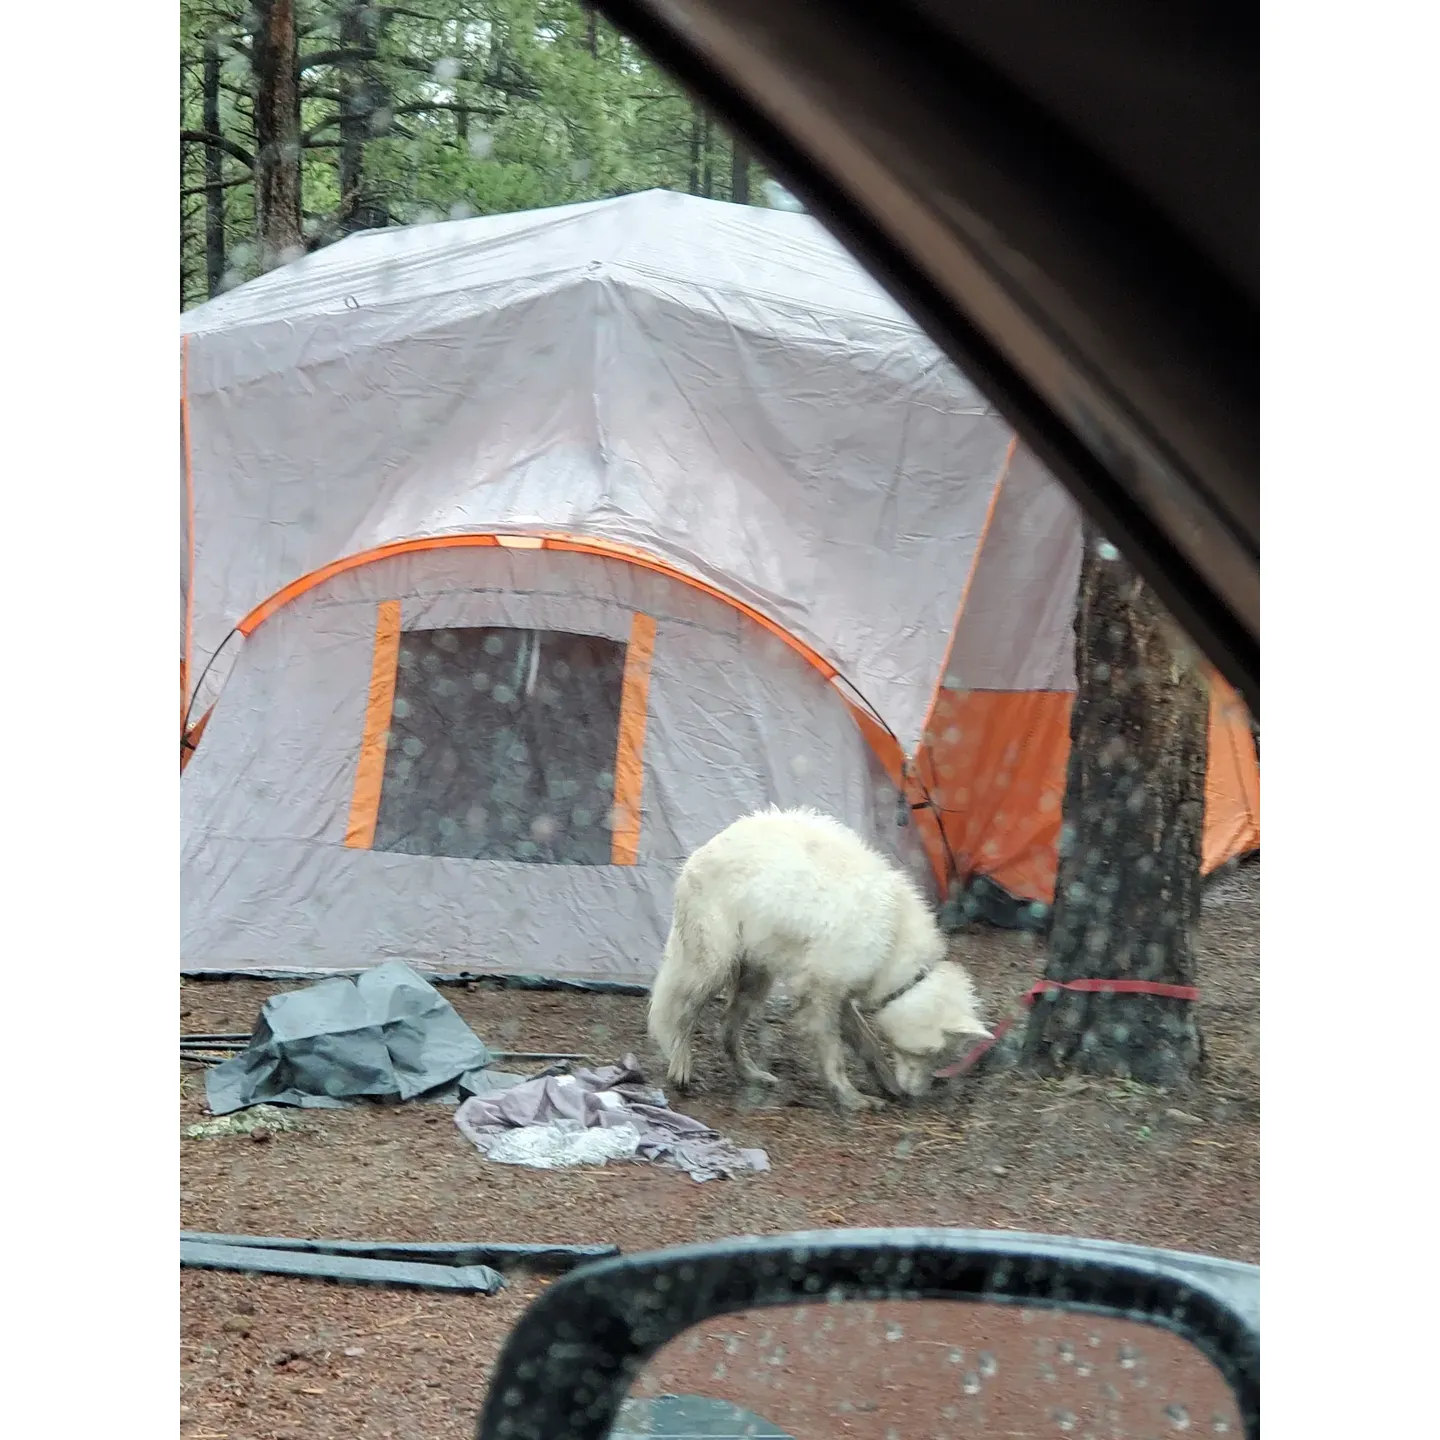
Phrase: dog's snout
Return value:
(913, 1076)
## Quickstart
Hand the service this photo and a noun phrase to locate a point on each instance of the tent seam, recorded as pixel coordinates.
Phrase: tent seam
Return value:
(965, 591)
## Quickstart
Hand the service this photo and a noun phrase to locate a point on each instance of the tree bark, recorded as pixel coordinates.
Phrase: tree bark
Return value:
(739, 173)
(359, 100)
(275, 75)
(696, 125)
(707, 179)
(1128, 890)
(184, 212)
(214, 174)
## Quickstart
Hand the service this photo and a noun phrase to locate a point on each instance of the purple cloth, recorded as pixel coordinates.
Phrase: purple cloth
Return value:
(613, 1096)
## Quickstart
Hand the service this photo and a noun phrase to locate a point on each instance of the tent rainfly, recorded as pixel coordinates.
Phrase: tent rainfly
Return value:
(522, 554)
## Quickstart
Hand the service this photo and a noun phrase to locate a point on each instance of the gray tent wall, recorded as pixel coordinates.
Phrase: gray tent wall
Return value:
(273, 876)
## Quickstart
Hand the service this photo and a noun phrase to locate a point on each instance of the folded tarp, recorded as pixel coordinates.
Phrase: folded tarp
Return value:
(385, 1035)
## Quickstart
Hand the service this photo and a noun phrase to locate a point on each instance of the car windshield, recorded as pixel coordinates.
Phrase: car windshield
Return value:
(661, 759)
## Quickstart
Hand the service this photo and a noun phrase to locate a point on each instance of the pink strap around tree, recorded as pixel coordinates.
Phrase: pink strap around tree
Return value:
(1099, 987)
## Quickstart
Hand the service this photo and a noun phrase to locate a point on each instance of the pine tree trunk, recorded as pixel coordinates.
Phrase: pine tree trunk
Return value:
(739, 173)
(214, 172)
(707, 179)
(273, 66)
(695, 132)
(358, 102)
(1127, 897)
(184, 211)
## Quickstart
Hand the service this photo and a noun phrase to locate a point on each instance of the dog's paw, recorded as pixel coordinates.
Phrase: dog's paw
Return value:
(856, 1103)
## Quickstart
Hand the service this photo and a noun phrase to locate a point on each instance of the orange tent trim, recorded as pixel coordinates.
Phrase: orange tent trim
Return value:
(630, 744)
(190, 741)
(549, 540)
(375, 739)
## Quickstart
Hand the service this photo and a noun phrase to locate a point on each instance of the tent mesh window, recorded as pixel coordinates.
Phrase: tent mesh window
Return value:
(502, 746)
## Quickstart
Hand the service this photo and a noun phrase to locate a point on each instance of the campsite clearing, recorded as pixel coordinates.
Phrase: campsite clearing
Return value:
(267, 1357)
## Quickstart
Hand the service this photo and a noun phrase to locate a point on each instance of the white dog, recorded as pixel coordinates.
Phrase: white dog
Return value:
(796, 897)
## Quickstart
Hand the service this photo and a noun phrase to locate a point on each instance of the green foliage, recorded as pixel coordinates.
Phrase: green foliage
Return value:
(463, 107)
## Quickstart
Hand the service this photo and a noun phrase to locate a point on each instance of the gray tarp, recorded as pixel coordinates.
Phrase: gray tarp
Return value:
(385, 1035)
(614, 1098)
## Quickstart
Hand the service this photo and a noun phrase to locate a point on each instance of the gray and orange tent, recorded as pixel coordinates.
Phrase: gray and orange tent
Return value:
(522, 554)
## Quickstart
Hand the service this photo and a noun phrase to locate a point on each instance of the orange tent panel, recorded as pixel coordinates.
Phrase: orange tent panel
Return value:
(995, 764)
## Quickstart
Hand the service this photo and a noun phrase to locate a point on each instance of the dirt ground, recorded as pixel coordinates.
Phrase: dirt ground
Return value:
(266, 1358)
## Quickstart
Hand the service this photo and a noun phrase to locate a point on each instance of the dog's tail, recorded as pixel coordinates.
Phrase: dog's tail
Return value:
(699, 963)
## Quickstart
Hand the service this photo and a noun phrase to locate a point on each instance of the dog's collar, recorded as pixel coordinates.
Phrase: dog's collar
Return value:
(905, 989)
